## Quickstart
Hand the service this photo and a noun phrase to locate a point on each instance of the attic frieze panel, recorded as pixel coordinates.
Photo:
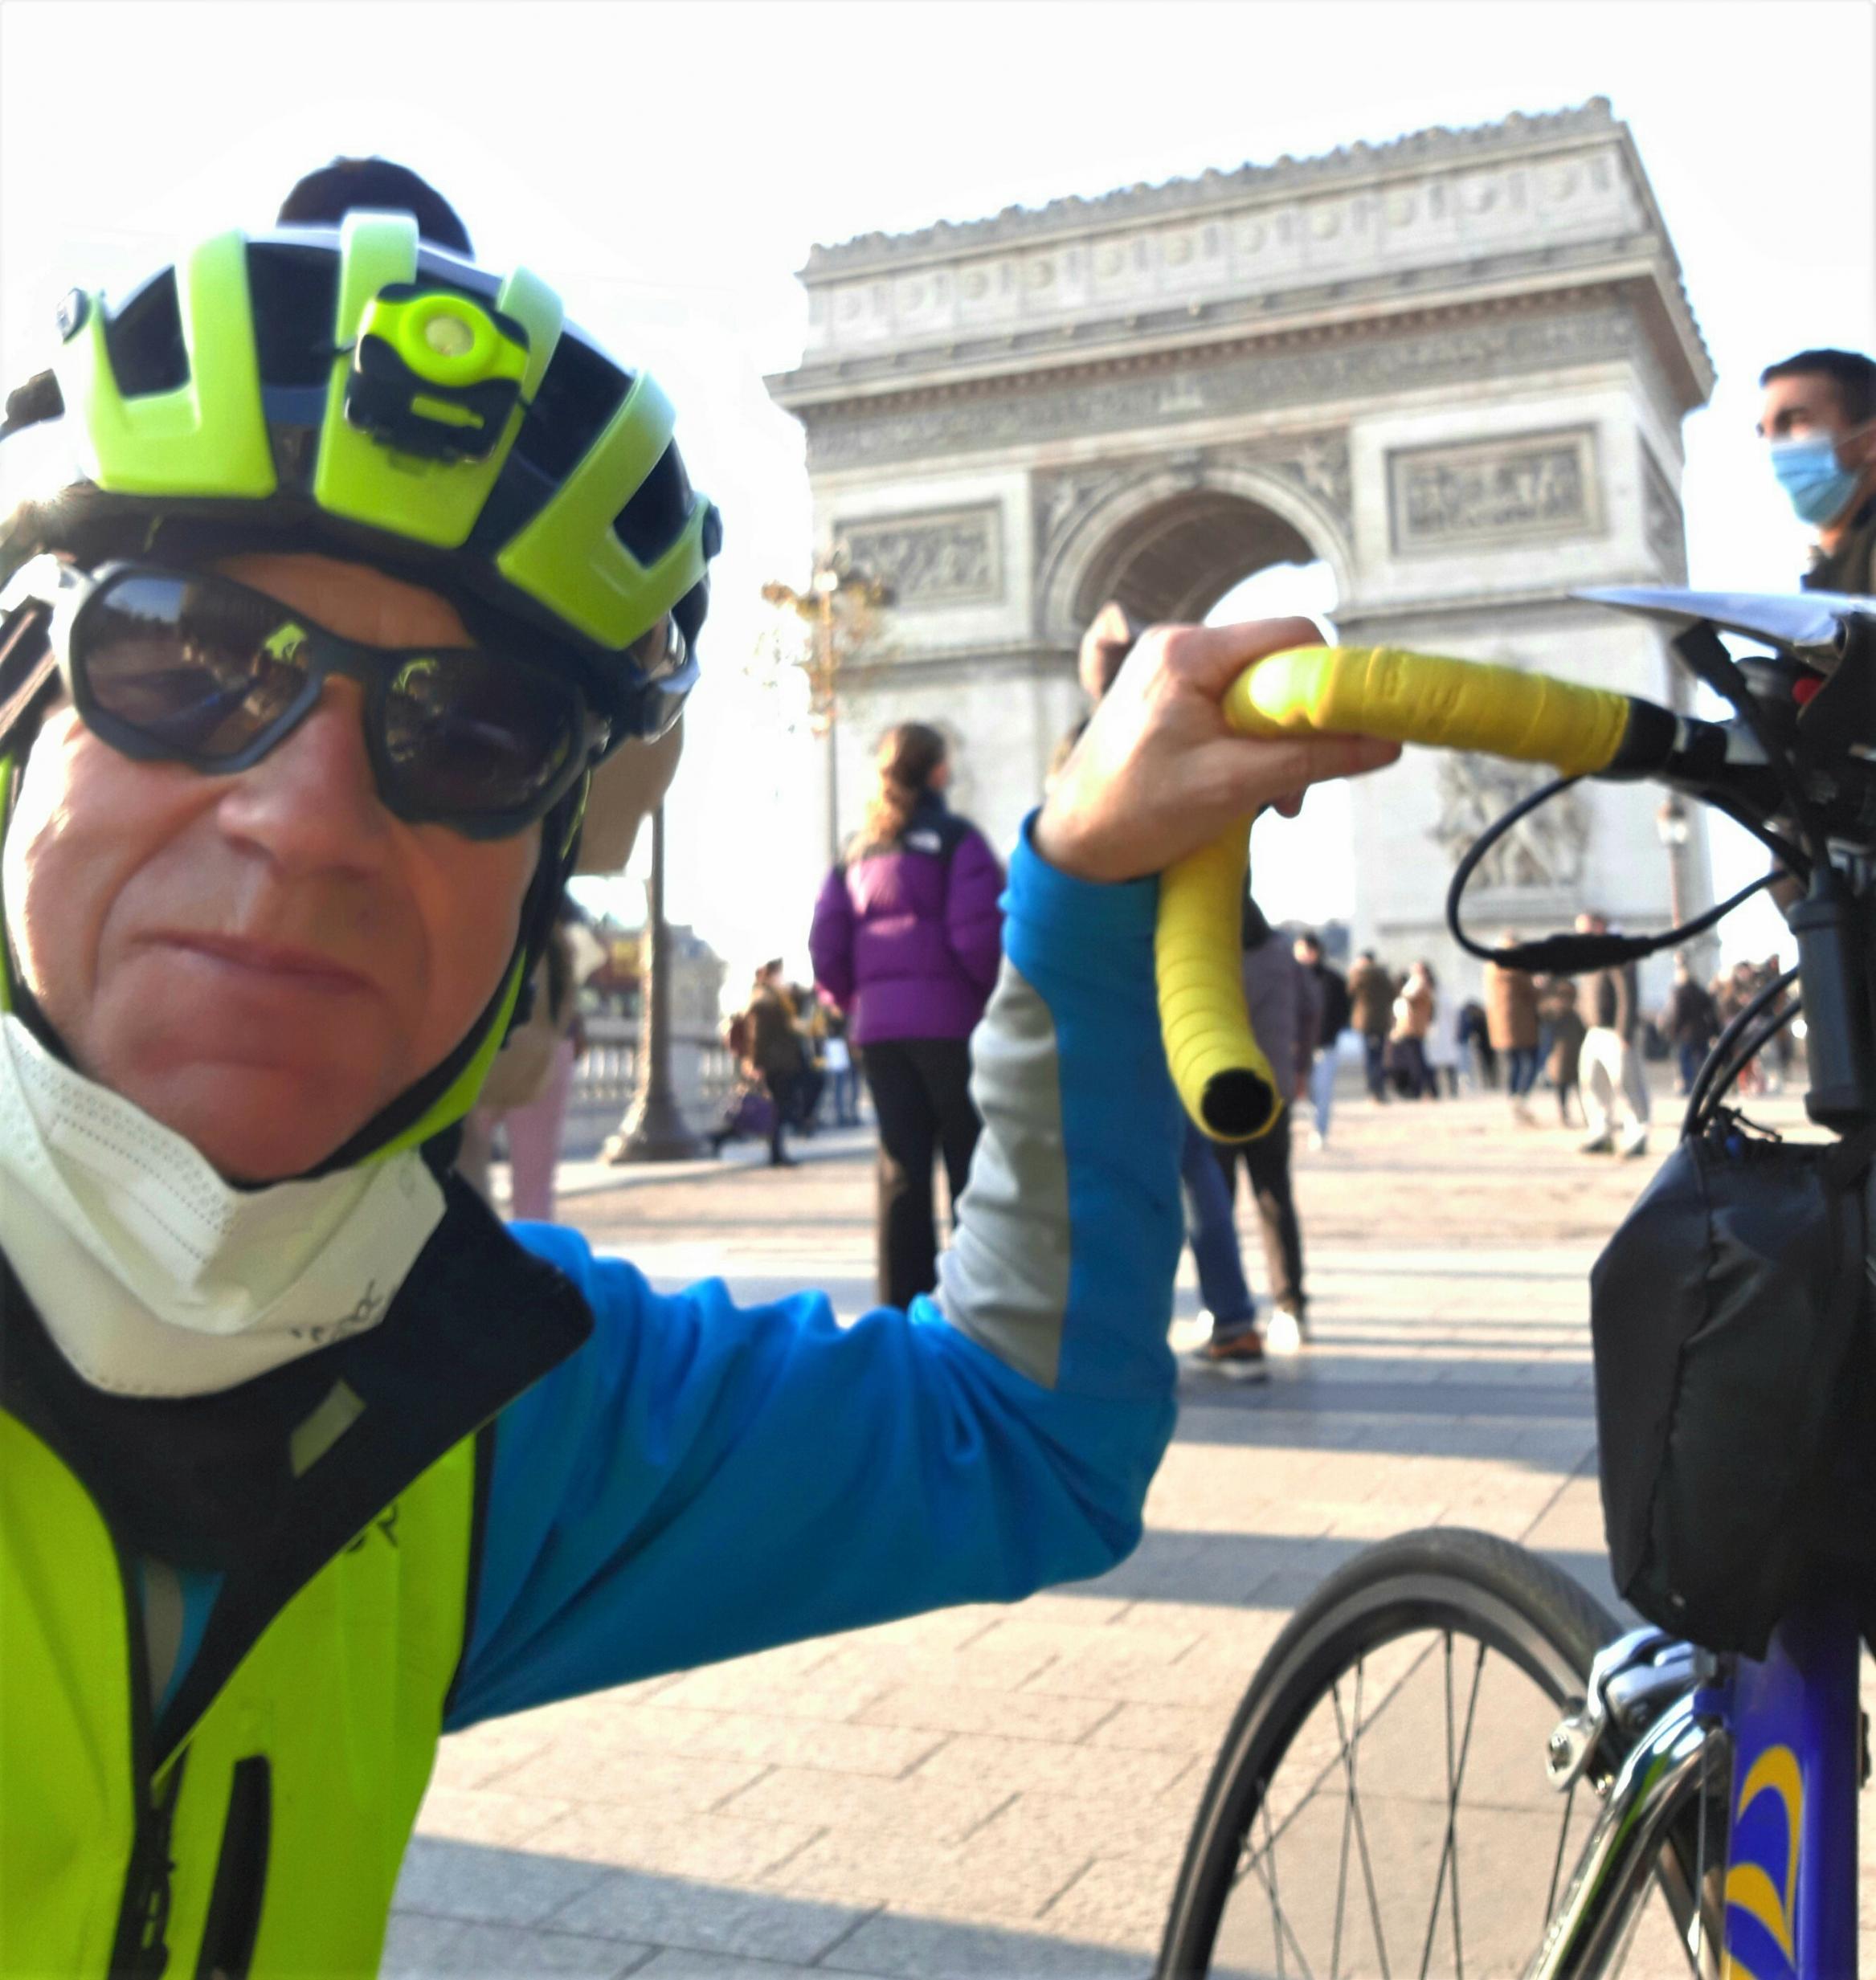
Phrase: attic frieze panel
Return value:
(1068, 405)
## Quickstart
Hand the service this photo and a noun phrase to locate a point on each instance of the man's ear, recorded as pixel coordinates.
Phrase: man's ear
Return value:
(627, 788)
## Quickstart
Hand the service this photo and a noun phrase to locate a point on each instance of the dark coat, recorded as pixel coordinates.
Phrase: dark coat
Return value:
(1371, 992)
(1510, 1009)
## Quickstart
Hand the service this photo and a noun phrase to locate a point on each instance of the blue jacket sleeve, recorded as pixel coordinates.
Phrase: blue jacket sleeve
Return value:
(702, 1480)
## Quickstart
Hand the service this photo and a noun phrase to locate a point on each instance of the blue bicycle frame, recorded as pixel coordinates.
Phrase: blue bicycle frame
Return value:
(1784, 1734)
(1791, 1880)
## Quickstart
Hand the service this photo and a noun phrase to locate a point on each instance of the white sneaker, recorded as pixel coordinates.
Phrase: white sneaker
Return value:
(1635, 1144)
(1317, 1143)
(1284, 1333)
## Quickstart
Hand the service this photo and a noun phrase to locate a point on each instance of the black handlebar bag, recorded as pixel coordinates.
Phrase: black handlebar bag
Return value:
(1731, 1314)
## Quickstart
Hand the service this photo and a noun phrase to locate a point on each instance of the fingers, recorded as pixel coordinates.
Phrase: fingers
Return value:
(1211, 657)
(1259, 773)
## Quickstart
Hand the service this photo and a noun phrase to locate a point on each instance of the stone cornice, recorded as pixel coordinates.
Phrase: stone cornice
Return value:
(1146, 340)
(1289, 371)
(1416, 151)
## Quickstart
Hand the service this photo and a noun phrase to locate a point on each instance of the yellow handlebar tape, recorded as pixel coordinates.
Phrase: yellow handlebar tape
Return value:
(1424, 698)
(1222, 1075)
(1218, 1067)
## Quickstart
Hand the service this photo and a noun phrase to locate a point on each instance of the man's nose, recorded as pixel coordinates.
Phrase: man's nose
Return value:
(312, 801)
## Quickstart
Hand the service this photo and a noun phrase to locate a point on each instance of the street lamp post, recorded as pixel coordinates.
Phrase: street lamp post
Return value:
(654, 1128)
(838, 612)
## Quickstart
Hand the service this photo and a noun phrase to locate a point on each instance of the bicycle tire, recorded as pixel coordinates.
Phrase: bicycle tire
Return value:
(1510, 1599)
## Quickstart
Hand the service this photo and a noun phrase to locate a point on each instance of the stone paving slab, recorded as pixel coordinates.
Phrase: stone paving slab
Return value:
(1005, 1793)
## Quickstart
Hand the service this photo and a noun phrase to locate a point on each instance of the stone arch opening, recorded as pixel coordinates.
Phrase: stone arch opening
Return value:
(1176, 560)
(1169, 544)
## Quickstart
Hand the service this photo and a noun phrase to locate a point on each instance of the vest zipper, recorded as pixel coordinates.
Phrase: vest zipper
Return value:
(234, 1904)
(141, 1952)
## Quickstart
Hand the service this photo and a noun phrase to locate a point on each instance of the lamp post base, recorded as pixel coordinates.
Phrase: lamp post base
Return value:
(655, 1130)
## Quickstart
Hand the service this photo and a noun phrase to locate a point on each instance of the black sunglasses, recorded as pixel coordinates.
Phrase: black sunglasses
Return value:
(192, 667)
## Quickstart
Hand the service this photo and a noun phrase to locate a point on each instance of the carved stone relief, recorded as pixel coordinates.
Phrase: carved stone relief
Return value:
(938, 558)
(917, 427)
(1545, 850)
(1500, 491)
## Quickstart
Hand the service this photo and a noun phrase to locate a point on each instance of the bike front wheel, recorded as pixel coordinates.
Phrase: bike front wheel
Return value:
(1381, 1804)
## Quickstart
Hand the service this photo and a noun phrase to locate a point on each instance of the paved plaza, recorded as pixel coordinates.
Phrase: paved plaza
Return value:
(1006, 1791)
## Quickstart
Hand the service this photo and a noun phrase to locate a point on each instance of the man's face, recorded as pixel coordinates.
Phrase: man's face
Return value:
(261, 960)
(1809, 405)
(1799, 407)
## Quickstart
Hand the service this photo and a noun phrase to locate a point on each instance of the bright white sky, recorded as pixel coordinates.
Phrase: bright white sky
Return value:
(667, 167)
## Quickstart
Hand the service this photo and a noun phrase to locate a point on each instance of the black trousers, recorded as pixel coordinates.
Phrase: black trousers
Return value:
(921, 1093)
(781, 1088)
(1266, 1160)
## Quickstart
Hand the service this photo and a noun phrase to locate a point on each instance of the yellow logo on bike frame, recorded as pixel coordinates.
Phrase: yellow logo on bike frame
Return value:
(1748, 1886)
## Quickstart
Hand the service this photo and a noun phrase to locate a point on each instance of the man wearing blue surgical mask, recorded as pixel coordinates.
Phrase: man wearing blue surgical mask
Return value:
(1819, 420)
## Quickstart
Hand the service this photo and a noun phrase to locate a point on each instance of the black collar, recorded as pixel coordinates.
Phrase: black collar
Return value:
(208, 1482)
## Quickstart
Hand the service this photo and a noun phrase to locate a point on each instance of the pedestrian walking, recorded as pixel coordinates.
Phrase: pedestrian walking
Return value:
(1333, 997)
(1512, 1026)
(1211, 1230)
(1414, 1009)
(1284, 1009)
(1615, 1087)
(843, 1074)
(1442, 1046)
(906, 940)
(1691, 1023)
(772, 1053)
(1560, 1022)
(811, 1086)
(1372, 992)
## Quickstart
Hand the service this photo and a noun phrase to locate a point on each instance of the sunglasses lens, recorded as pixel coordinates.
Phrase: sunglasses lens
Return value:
(200, 669)
(470, 735)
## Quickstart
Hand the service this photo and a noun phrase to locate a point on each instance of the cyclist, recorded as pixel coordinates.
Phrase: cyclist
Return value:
(332, 564)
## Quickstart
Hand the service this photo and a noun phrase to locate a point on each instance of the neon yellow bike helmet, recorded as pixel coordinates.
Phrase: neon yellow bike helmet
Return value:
(356, 386)
(354, 382)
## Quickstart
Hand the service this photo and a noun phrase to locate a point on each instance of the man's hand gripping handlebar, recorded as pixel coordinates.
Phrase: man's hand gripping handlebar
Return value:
(1222, 1074)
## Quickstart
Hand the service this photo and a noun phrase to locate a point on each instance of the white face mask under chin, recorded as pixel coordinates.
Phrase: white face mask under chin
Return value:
(153, 1276)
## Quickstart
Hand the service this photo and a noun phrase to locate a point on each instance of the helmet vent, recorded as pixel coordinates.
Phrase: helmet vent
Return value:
(144, 340)
(578, 395)
(654, 519)
(296, 302)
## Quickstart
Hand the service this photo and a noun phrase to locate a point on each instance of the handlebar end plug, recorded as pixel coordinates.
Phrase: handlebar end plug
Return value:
(1238, 1105)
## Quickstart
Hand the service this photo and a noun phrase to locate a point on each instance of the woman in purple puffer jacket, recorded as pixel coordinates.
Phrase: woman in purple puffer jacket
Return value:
(906, 940)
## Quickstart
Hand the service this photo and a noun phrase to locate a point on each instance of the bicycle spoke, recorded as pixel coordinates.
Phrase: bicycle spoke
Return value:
(1453, 1808)
(1557, 1867)
(1449, 1849)
(1361, 1830)
(1264, 1862)
(1347, 1814)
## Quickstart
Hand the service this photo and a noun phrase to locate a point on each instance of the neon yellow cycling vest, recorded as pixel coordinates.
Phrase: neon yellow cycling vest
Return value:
(269, 1840)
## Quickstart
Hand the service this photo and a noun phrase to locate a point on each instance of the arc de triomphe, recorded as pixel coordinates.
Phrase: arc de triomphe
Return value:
(1453, 367)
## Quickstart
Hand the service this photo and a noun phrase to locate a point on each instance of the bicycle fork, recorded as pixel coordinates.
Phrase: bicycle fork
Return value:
(1783, 1738)
(1686, 1749)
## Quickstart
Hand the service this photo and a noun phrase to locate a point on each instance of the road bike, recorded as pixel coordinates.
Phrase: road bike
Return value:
(1453, 1760)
